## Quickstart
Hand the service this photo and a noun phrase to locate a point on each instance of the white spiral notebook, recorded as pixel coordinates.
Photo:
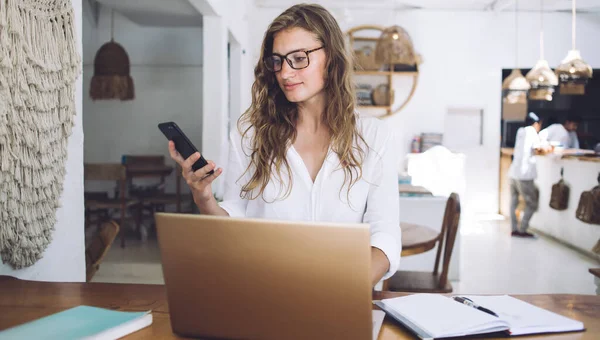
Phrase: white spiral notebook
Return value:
(431, 316)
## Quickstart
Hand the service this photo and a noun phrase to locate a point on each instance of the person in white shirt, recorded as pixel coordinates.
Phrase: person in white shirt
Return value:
(300, 151)
(565, 134)
(523, 172)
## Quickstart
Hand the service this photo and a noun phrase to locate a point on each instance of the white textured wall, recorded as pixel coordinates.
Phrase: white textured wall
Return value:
(167, 74)
(464, 53)
(64, 259)
(216, 92)
(226, 87)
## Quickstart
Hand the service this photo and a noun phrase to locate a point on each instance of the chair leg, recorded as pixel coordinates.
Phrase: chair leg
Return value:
(138, 219)
(386, 285)
(99, 218)
(152, 212)
(122, 227)
(122, 238)
(87, 218)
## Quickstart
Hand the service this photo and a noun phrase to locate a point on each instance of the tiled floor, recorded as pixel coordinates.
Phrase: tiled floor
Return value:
(492, 262)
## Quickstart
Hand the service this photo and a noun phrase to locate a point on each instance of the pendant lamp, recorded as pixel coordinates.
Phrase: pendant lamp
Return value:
(573, 73)
(515, 86)
(112, 79)
(541, 78)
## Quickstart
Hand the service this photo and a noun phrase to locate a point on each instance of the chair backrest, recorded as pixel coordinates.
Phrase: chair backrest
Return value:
(107, 172)
(143, 159)
(134, 161)
(104, 172)
(449, 229)
(99, 246)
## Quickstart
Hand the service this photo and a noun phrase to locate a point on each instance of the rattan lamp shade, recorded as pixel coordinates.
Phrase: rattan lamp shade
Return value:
(112, 79)
(395, 47)
(542, 80)
(515, 87)
(573, 74)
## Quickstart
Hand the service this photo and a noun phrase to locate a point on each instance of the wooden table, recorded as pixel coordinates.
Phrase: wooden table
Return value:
(144, 171)
(22, 301)
(413, 190)
(596, 273)
(417, 239)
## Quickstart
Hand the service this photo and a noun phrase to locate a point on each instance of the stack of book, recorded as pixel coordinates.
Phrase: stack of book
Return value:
(363, 94)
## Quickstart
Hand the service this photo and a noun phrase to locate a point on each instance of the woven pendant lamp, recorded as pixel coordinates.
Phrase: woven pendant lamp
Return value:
(515, 86)
(541, 78)
(573, 73)
(112, 79)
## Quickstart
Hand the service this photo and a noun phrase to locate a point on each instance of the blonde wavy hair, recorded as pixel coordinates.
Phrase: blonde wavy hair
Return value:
(272, 118)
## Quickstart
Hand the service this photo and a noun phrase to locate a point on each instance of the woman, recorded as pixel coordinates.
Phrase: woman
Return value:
(301, 152)
(523, 172)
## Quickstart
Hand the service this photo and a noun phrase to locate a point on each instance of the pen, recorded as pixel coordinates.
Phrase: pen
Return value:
(470, 303)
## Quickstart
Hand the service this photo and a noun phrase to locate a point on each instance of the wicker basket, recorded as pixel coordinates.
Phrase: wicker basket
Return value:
(588, 210)
(395, 47)
(381, 95)
(365, 59)
(559, 199)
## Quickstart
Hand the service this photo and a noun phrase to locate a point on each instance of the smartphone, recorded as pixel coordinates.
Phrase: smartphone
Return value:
(183, 145)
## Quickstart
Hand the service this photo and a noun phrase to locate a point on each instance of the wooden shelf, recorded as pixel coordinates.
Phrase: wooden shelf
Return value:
(385, 77)
(365, 39)
(372, 73)
(374, 106)
(385, 73)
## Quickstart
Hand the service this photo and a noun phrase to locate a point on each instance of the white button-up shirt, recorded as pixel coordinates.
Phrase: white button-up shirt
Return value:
(523, 166)
(558, 133)
(374, 199)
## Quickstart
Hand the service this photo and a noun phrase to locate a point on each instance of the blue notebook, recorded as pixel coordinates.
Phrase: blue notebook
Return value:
(81, 322)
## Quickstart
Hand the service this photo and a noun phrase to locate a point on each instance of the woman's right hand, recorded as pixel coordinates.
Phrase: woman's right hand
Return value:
(197, 180)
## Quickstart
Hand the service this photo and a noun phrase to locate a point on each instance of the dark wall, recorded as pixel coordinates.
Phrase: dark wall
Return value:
(586, 106)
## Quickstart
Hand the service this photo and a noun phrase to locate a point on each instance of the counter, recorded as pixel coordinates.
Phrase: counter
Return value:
(581, 174)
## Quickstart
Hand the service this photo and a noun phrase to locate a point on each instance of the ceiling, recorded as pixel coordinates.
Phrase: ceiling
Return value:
(464, 5)
(155, 12)
(177, 13)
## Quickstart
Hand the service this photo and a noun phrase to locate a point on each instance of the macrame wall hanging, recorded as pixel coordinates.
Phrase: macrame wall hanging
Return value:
(39, 63)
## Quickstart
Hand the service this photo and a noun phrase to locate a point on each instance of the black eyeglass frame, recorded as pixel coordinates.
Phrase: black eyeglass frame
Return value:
(284, 57)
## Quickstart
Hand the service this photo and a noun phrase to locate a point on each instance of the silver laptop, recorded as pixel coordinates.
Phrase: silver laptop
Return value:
(263, 279)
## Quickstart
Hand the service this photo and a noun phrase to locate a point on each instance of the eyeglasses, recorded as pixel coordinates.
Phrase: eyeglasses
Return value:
(296, 59)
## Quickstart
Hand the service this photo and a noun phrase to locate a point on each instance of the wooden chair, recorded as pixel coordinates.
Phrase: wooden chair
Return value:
(432, 282)
(158, 199)
(97, 203)
(98, 247)
(95, 216)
